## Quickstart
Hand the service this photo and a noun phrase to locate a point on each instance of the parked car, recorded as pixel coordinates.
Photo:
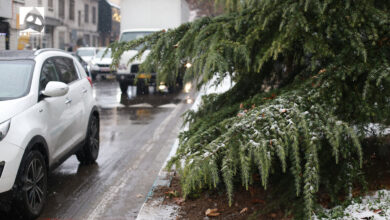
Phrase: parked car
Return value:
(83, 63)
(47, 113)
(87, 53)
(100, 64)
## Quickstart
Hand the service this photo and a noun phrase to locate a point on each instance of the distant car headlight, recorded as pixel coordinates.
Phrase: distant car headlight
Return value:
(162, 86)
(4, 127)
(187, 87)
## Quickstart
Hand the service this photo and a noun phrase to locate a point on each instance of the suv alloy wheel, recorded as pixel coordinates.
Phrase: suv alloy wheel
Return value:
(32, 186)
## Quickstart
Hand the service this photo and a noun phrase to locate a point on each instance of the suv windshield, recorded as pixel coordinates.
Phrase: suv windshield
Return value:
(86, 53)
(15, 78)
(101, 52)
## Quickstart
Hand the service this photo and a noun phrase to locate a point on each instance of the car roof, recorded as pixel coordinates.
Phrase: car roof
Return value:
(26, 54)
(87, 48)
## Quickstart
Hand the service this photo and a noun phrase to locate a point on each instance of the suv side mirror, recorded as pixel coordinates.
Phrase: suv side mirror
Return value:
(55, 89)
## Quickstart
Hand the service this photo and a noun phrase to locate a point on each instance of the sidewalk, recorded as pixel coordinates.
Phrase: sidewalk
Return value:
(153, 208)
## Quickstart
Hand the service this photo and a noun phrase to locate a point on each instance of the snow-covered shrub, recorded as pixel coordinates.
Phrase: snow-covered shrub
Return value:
(327, 61)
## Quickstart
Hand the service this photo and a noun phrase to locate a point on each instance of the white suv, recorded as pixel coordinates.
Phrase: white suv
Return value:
(47, 113)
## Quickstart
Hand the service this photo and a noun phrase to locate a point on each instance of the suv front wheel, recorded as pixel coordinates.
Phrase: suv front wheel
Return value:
(31, 185)
(90, 151)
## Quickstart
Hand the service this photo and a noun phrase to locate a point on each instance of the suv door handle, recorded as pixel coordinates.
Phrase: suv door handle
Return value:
(68, 101)
(85, 90)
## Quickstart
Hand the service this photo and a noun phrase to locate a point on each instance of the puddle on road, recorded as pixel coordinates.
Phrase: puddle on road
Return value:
(139, 109)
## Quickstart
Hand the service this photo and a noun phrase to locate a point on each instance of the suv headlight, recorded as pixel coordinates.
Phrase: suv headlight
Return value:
(4, 127)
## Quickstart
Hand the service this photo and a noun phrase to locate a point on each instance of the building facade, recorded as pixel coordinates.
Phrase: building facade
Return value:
(5, 16)
(68, 24)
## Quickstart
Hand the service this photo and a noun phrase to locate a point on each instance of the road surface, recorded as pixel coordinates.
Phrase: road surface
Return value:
(137, 133)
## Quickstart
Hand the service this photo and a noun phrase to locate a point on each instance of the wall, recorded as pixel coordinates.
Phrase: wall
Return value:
(185, 12)
(5, 8)
(5, 14)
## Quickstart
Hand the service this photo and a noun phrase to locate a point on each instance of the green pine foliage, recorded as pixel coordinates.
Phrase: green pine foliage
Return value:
(286, 131)
(310, 75)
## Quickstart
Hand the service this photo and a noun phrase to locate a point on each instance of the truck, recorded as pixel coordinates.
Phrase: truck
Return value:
(139, 19)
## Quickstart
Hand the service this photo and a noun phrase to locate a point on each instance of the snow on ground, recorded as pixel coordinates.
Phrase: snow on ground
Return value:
(193, 15)
(376, 206)
(375, 129)
(210, 88)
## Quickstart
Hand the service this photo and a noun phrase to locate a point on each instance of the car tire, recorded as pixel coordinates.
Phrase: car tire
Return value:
(171, 89)
(124, 87)
(31, 186)
(146, 89)
(142, 87)
(90, 151)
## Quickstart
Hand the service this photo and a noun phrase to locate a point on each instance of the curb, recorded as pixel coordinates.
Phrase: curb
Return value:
(154, 208)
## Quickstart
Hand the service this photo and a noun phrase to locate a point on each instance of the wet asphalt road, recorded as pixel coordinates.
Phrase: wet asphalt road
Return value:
(136, 136)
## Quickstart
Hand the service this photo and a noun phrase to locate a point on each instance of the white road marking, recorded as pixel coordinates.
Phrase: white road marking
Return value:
(171, 105)
(141, 105)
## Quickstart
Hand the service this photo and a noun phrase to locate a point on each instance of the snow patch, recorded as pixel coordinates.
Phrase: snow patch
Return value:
(376, 206)
(210, 88)
(376, 129)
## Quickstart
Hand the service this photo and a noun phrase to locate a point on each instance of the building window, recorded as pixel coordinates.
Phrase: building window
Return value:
(94, 15)
(94, 41)
(79, 18)
(86, 13)
(71, 10)
(50, 5)
(61, 9)
(61, 39)
(39, 2)
(87, 40)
